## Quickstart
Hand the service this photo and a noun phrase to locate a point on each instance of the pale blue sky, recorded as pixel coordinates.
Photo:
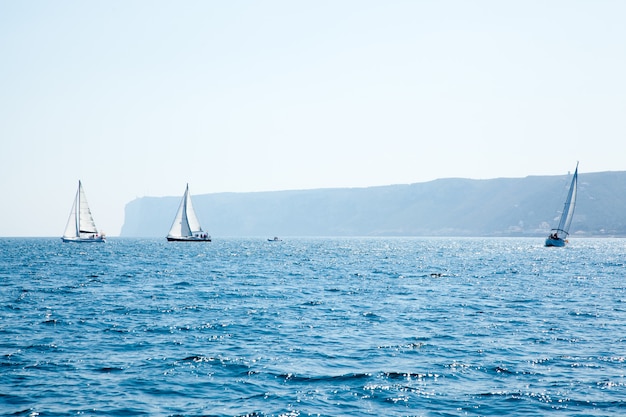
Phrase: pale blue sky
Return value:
(137, 98)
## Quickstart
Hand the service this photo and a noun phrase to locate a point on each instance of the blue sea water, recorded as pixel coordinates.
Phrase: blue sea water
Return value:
(308, 327)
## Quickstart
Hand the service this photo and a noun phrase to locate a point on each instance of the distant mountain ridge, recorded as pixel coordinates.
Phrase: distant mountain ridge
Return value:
(446, 207)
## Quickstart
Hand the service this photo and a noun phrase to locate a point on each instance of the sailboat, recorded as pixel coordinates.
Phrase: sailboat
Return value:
(80, 225)
(186, 227)
(558, 236)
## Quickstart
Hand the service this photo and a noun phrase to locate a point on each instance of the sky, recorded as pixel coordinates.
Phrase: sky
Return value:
(138, 98)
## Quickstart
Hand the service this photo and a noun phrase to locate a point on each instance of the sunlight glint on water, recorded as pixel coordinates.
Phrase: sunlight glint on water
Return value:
(351, 326)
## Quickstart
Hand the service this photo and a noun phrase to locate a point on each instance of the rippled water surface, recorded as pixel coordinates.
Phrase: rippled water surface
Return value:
(361, 327)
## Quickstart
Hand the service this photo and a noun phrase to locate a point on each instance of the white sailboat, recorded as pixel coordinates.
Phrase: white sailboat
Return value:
(558, 236)
(186, 227)
(80, 225)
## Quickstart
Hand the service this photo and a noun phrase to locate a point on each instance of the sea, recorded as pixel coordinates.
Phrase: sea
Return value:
(313, 327)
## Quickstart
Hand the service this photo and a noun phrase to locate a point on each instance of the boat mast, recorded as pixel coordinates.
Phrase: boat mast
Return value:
(77, 210)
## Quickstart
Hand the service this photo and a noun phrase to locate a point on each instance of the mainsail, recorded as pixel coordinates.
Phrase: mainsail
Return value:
(570, 204)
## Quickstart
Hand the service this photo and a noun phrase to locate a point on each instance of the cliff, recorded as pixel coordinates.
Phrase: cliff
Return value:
(446, 207)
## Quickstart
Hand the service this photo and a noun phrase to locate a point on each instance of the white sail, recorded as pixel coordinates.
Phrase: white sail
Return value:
(86, 223)
(80, 224)
(186, 224)
(570, 204)
(177, 225)
(71, 229)
(192, 220)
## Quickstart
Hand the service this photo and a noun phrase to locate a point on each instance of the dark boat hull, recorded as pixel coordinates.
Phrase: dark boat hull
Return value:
(558, 243)
(188, 239)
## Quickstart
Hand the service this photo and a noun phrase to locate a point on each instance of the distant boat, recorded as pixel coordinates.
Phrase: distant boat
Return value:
(80, 225)
(186, 227)
(274, 239)
(558, 236)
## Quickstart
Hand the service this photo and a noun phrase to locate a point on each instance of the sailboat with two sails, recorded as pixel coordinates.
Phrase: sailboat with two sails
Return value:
(80, 226)
(186, 226)
(558, 236)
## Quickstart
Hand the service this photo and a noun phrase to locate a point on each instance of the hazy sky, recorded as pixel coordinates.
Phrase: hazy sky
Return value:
(137, 98)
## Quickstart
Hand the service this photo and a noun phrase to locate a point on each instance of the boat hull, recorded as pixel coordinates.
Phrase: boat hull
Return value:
(188, 239)
(83, 239)
(559, 243)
